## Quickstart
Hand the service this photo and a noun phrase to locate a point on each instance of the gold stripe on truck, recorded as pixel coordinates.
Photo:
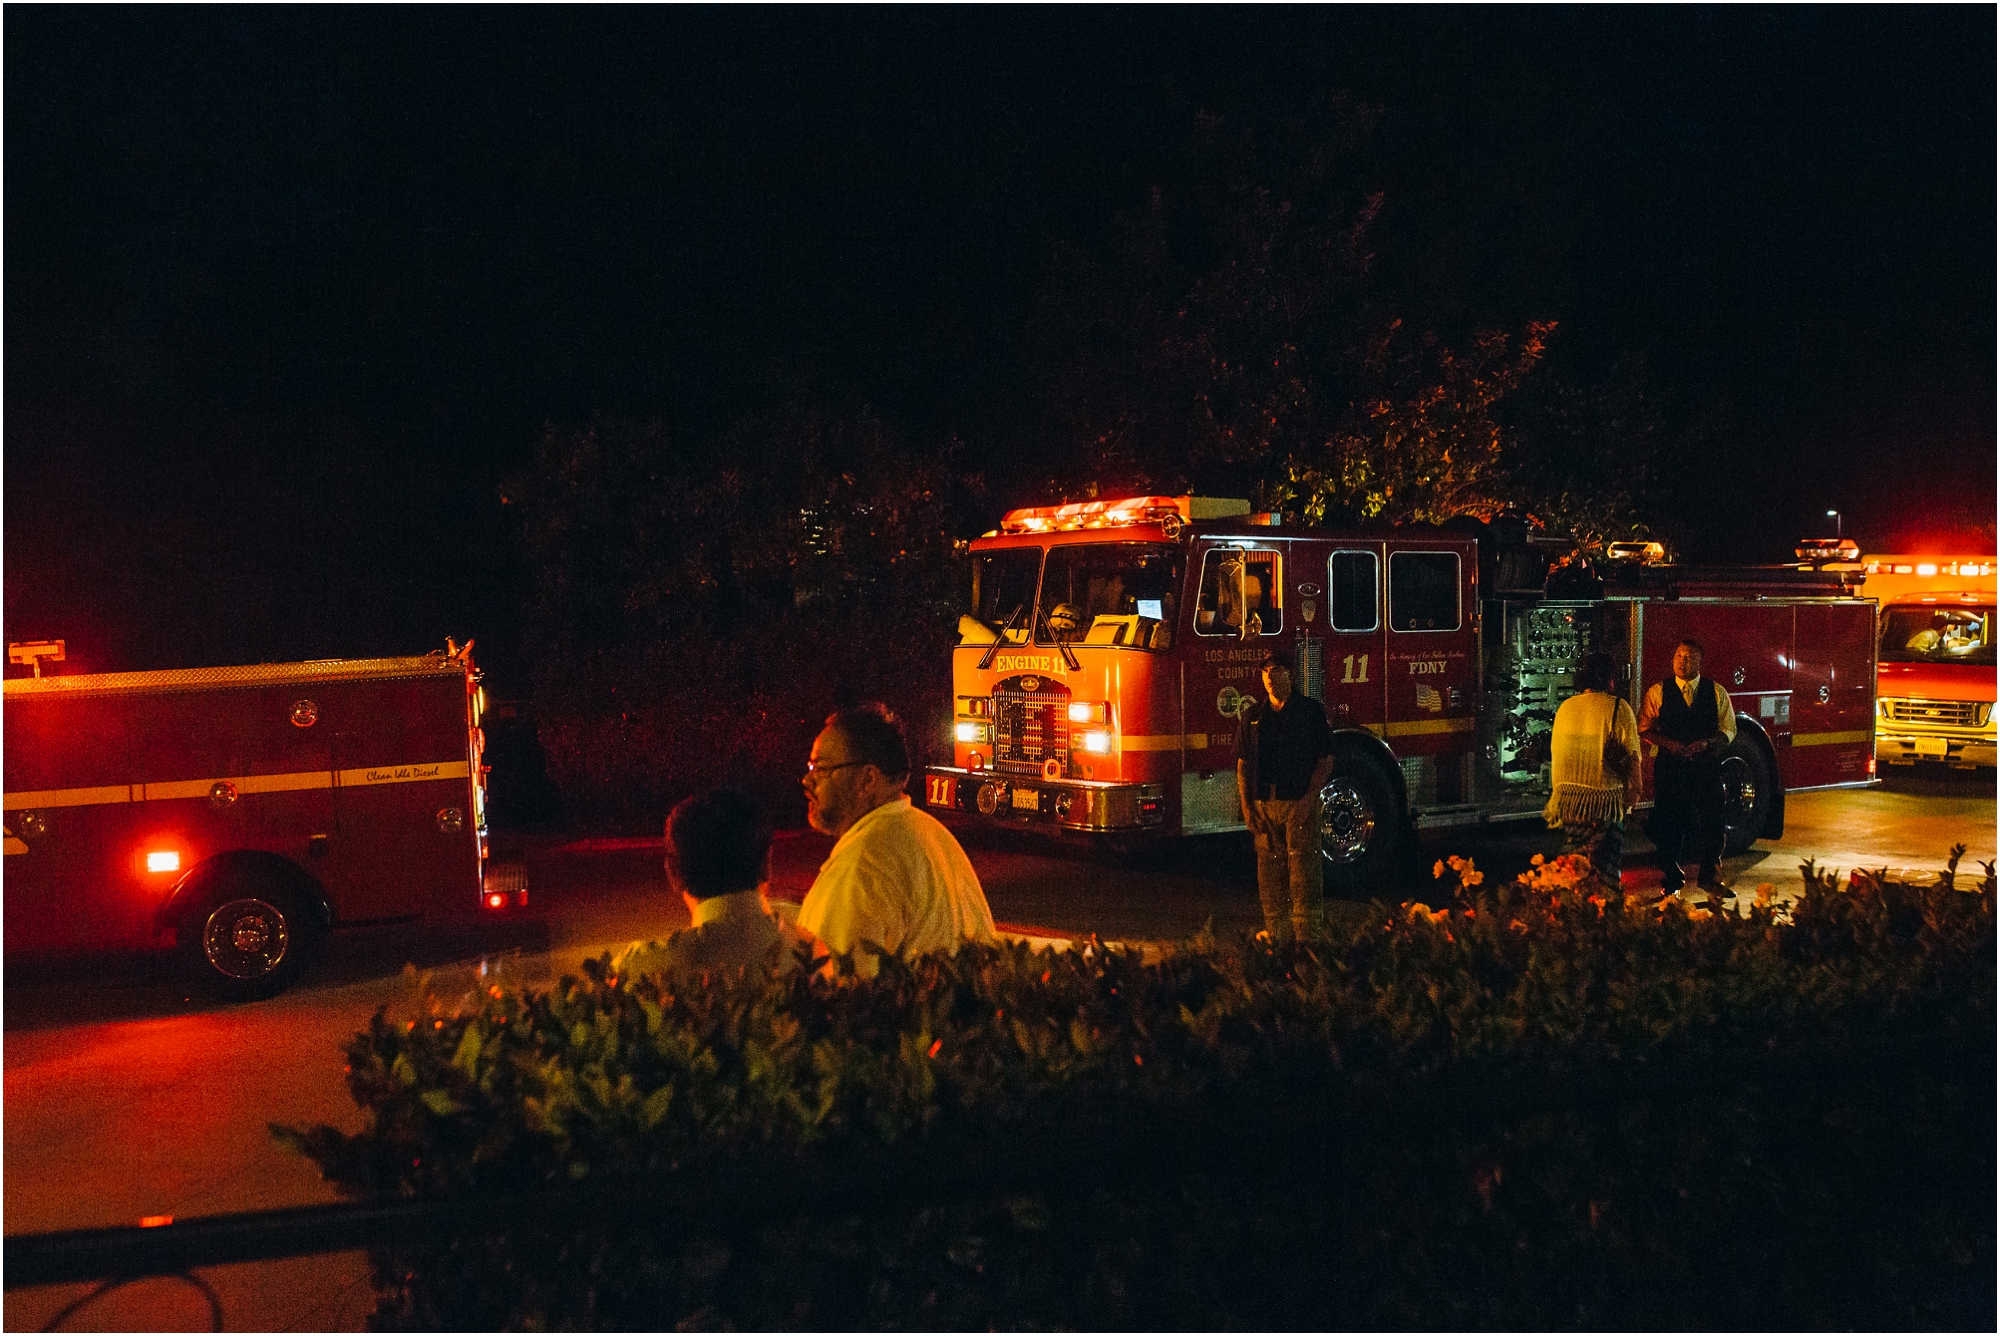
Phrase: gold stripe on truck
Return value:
(1160, 742)
(1830, 739)
(363, 777)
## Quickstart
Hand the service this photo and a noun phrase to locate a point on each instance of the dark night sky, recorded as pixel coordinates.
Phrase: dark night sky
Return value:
(287, 290)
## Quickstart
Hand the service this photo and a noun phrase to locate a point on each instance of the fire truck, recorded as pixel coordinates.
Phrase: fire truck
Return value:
(1109, 648)
(1936, 665)
(239, 813)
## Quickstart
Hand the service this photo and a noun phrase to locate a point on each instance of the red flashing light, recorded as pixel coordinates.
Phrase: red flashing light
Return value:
(163, 860)
(497, 900)
(154, 1221)
(1168, 511)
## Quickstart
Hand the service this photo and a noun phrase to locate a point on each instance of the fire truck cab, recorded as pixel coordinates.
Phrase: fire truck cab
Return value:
(239, 813)
(1109, 647)
(1936, 661)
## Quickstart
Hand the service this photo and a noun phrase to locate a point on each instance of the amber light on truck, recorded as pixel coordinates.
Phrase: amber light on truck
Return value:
(973, 730)
(1086, 712)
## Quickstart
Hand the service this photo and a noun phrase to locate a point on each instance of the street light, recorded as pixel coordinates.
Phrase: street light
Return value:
(1834, 515)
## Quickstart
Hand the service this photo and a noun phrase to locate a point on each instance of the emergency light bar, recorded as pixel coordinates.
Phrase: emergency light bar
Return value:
(1828, 549)
(1930, 568)
(1649, 553)
(32, 652)
(1170, 511)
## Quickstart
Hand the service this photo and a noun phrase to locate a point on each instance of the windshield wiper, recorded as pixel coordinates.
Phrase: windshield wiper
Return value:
(986, 659)
(1042, 626)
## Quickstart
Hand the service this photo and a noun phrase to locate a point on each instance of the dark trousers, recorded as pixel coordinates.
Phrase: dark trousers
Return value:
(1687, 815)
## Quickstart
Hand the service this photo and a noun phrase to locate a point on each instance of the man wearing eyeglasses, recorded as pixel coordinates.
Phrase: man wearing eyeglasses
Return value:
(896, 877)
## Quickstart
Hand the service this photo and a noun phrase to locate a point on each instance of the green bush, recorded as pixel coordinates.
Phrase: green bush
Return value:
(1543, 1106)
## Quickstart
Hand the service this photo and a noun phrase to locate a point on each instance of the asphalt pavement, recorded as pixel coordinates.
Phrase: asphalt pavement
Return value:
(127, 1098)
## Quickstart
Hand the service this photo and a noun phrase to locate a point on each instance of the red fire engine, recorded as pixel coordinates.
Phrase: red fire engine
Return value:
(239, 813)
(1935, 676)
(1110, 646)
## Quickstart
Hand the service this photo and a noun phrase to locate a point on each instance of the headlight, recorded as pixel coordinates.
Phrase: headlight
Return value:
(1984, 713)
(970, 730)
(1086, 712)
(1097, 741)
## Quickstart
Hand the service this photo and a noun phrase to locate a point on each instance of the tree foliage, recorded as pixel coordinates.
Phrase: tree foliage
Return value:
(1231, 334)
(698, 611)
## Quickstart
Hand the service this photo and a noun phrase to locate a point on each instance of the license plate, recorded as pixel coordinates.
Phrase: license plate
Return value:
(1933, 747)
(1028, 800)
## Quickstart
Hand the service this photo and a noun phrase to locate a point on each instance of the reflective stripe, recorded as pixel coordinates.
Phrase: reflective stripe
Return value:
(244, 784)
(1164, 742)
(1412, 726)
(1830, 739)
(119, 793)
(15, 846)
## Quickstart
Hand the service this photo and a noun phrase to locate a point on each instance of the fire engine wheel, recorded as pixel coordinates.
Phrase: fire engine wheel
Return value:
(1360, 824)
(249, 943)
(1748, 790)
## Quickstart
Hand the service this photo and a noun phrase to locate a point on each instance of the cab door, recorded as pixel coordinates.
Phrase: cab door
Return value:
(1430, 660)
(1353, 664)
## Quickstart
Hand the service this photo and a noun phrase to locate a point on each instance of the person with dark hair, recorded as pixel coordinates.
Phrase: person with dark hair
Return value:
(1689, 721)
(1594, 759)
(895, 877)
(719, 859)
(1284, 757)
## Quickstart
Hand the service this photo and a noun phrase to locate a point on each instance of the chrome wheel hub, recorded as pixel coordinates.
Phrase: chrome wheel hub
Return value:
(245, 939)
(1739, 791)
(1347, 822)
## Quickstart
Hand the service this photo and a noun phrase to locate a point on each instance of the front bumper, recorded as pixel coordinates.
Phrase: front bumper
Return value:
(1906, 746)
(1054, 804)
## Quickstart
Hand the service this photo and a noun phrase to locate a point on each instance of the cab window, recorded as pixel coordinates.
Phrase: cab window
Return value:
(1239, 583)
(1353, 591)
(1423, 591)
(1933, 633)
(1003, 591)
(1109, 593)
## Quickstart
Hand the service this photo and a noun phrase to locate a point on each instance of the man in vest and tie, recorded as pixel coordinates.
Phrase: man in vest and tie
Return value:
(1689, 721)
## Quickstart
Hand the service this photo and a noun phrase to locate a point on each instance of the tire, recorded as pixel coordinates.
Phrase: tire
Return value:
(1360, 825)
(249, 937)
(1749, 789)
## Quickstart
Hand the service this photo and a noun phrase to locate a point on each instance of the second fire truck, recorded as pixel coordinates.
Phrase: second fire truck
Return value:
(1109, 647)
(240, 813)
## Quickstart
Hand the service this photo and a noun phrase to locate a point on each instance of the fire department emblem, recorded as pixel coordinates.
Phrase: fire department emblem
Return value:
(1031, 684)
(1231, 703)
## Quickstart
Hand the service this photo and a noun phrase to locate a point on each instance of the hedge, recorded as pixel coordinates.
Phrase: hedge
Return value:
(1540, 1105)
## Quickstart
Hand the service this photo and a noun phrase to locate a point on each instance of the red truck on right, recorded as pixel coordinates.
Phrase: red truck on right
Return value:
(1935, 661)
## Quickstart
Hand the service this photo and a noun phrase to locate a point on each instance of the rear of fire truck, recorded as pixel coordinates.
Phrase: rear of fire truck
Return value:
(1935, 689)
(239, 813)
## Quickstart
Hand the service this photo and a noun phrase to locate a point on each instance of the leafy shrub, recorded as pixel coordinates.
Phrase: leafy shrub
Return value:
(1542, 1106)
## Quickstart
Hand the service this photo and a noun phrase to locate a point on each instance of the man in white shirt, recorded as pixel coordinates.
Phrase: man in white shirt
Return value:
(719, 859)
(895, 877)
(1689, 727)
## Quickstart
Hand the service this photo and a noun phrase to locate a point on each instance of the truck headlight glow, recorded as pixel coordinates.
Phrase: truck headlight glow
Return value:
(1086, 712)
(163, 860)
(1097, 740)
(970, 730)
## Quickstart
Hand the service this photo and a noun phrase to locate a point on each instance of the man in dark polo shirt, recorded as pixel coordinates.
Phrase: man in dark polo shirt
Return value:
(1284, 757)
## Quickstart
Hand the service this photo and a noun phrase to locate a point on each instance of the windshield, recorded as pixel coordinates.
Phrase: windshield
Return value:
(1928, 633)
(1003, 587)
(1096, 593)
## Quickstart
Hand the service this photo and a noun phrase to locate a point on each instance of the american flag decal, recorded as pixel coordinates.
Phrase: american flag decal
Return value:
(1428, 699)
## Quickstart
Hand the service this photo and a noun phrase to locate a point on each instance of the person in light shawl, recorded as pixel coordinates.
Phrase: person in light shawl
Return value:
(1594, 756)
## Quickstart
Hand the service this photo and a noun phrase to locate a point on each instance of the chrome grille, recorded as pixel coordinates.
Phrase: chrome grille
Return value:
(1030, 728)
(1916, 710)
